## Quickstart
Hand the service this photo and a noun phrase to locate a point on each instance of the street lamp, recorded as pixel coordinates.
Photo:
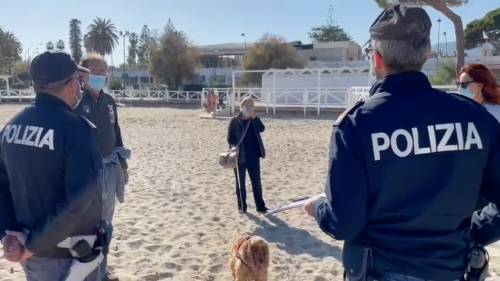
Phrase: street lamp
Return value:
(446, 43)
(216, 65)
(124, 34)
(245, 36)
(27, 58)
(439, 50)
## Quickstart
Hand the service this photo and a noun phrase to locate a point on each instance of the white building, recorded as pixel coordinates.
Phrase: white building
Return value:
(220, 60)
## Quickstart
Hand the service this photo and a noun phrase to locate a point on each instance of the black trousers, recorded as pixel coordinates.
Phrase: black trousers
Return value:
(253, 168)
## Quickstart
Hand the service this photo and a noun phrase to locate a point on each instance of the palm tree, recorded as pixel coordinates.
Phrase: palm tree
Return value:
(101, 37)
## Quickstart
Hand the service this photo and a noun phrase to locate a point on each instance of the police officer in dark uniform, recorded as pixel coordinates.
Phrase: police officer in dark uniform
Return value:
(100, 108)
(408, 165)
(49, 168)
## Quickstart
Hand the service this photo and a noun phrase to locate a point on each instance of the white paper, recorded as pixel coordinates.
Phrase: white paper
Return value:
(295, 204)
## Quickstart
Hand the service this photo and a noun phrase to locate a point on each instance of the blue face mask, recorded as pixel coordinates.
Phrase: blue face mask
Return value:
(97, 82)
(466, 92)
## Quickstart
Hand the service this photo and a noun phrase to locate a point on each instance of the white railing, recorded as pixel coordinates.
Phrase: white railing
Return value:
(120, 95)
(156, 95)
(223, 99)
(357, 94)
(17, 95)
(305, 98)
(271, 99)
(361, 93)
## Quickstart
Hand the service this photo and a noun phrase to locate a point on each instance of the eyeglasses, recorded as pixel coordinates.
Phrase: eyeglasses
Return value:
(464, 85)
(368, 49)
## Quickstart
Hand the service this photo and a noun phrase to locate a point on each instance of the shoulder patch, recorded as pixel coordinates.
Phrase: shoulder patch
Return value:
(87, 121)
(347, 112)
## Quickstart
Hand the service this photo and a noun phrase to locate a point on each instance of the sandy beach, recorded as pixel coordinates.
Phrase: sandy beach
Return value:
(180, 210)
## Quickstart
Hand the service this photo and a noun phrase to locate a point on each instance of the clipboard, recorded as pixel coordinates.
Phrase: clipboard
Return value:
(296, 203)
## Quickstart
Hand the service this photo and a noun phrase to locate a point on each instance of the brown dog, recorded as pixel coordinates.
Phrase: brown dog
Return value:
(249, 258)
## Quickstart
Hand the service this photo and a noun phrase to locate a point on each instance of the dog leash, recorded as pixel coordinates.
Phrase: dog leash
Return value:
(238, 246)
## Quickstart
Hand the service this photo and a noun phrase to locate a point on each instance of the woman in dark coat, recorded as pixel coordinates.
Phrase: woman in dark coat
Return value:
(251, 150)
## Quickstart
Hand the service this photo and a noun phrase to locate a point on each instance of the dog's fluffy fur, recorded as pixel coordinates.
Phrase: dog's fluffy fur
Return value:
(249, 258)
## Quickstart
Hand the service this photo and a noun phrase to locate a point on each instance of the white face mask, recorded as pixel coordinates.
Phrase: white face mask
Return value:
(79, 97)
(247, 111)
(97, 82)
(373, 76)
(466, 92)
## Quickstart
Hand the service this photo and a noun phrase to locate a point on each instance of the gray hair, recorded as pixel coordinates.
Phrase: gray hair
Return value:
(245, 100)
(85, 61)
(403, 55)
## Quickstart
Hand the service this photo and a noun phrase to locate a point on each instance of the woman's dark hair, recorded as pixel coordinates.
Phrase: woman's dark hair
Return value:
(481, 74)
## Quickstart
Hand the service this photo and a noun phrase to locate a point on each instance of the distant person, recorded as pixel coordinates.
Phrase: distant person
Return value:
(477, 82)
(100, 108)
(50, 191)
(245, 130)
(407, 165)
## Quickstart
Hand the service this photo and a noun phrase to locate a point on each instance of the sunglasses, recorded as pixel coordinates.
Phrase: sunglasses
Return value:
(464, 85)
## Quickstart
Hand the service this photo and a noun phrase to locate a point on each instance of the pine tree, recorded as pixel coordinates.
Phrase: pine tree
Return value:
(60, 46)
(75, 39)
(330, 31)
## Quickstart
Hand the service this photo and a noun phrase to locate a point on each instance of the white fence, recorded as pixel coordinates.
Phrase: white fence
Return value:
(360, 93)
(271, 99)
(121, 95)
(223, 100)
(17, 95)
(156, 95)
(303, 98)
(223, 96)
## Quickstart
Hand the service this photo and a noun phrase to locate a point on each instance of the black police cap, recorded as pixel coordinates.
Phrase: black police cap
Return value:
(53, 66)
(401, 22)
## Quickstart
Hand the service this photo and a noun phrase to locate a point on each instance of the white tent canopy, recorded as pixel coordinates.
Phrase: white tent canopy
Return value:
(341, 77)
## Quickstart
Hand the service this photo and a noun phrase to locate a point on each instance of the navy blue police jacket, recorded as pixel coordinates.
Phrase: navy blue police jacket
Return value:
(49, 168)
(407, 168)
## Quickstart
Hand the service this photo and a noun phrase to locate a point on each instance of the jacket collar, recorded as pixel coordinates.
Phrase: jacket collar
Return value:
(88, 94)
(401, 83)
(44, 98)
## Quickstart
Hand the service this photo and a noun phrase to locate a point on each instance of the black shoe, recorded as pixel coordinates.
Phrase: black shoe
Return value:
(242, 211)
(262, 211)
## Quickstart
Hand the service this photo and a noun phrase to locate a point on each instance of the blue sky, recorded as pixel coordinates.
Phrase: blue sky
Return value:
(207, 21)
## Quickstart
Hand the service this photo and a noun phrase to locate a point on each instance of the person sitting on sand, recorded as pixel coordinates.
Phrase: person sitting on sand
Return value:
(245, 129)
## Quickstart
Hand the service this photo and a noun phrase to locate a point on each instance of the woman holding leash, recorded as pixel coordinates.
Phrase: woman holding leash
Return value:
(244, 131)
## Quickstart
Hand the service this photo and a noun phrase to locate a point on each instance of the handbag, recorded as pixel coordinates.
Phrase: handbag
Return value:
(229, 158)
